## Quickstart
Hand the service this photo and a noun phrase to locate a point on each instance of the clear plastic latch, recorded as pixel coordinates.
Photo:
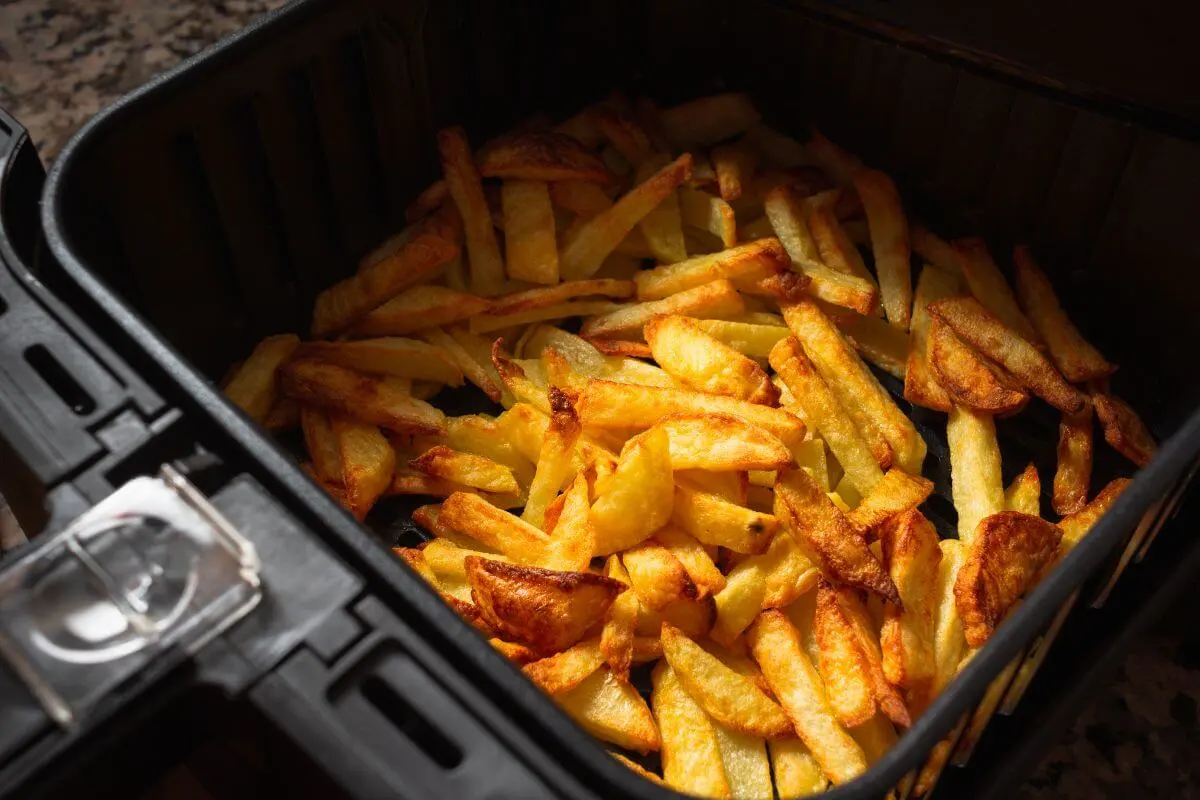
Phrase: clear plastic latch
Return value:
(152, 567)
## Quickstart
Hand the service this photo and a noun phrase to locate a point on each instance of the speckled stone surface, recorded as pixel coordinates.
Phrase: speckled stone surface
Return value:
(63, 60)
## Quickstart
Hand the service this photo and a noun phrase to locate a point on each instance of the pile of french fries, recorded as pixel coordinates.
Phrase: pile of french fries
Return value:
(685, 316)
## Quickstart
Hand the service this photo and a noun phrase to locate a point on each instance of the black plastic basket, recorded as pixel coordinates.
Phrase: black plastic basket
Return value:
(208, 208)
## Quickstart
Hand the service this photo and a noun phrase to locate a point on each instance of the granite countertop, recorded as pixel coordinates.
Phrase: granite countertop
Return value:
(62, 60)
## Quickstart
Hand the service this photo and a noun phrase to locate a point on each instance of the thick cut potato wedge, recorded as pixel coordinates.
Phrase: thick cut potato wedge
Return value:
(591, 243)
(606, 404)
(989, 287)
(543, 609)
(691, 752)
(716, 521)
(407, 481)
(757, 259)
(889, 242)
(564, 671)
(663, 226)
(620, 347)
(695, 560)
(717, 299)
(722, 443)
(816, 522)
(921, 386)
(1075, 358)
(700, 361)
(353, 394)
(322, 445)
(612, 711)
(735, 165)
(896, 493)
(1006, 556)
(418, 308)
(773, 579)
(657, 576)
(796, 771)
(617, 637)
(541, 156)
(555, 457)
(1073, 477)
(516, 653)
(746, 765)
(531, 251)
(983, 331)
(1123, 429)
(708, 120)
(776, 647)
(253, 387)
(912, 557)
(393, 355)
(730, 697)
(462, 179)
(367, 460)
(475, 517)
(470, 470)
(826, 414)
(484, 436)
(1024, 494)
(747, 338)
(968, 378)
(975, 481)
(859, 392)
(637, 499)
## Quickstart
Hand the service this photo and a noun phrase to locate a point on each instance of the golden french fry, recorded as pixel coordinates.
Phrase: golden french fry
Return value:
(621, 347)
(487, 323)
(544, 296)
(591, 243)
(637, 499)
(921, 387)
(691, 752)
(418, 308)
(858, 391)
(722, 442)
(363, 397)
(692, 556)
(837, 250)
(1008, 552)
(1077, 525)
(884, 345)
(1072, 354)
(543, 609)
(716, 299)
(572, 540)
(700, 361)
(735, 165)
(523, 386)
(531, 251)
(393, 355)
(555, 458)
(842, 552)
(367, 463)
(934, 250)
(1073, 478)
(462, 179)
(740, 601)
(975, 481)
(776, 646)
(896, 493)
(518, 654)
(466, 469)
(1123, 429)
(949, 643)
(540, 156)
(663, 225)
(746, 765)
(639, 770)
(321, 444)
(715, 521)
(617, 637)
(706, 214)
(889, 241)
(750, 339)
(564, 671)
(253, 387)
(407, 481)
(707, 120)
(912, 558)
(757, 259)
(968, 378)
(480, 373)
(612, 711)
(989, 287)
(448, 561)
(1024, 494)
(475, 517)
(657, 576)
(796, 771)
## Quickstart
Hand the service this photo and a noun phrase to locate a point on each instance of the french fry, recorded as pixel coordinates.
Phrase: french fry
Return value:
(639, 770)
(1077, 525)
(448, 561)
(707, 120)
(989, 287)
(842, 552)
(1072, 354)
(784, 209)
(363, 397)
(554, 466)
(321, 444)
(663, 225)
(543, 609)
(367, 463)
(715, 521)
(1024, 494)
(625, 134)
(839, 163)
(612, 711)
(740, 601)
(1073, 477)
(692, 556)
(746, 765)
(750, 339)
(796, 771)
(889, 241)
(656, 575)
(480, 373)
(704, 212)
(466, 469)
(572, 540)
(475, 517)
(716, 299)
(1006, 555)
(253, 386)
(617, 636)
(488, 323)
(735, 165)
(691, 752)
(921, 386)
(462, 179)
(700, 361)
(518, 654)
(526, 387)
(1123, 429)
(428, 201)
(539, 156)
(897, 493)
(859, 392)
(949, 643)
(912, 557)
(283, 416)
(418, 308)
(531, 251)
(837, 250)
(975, 480)
(580, 197)
(564, 671)
(968, 378)
(758, 259)
(884, 345)
(827, 415)
(582, 128)
(591, 243)
(795, 681)
(545, 296)
(637, 499)
(934, 250)
(407, 481)
(722, 442)
(393, 355)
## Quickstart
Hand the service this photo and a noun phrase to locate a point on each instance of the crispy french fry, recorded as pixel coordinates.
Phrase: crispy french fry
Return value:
(975, 480)
(321, 444)
(407, 481)
(1123, 429)
(715, 521)
(466, 469)
(418, 308)
(691, 752)
(363, 397)
(750, 339)
(722, 442)
(921, 386)
(1077, 525)
(989, 287)
(796, 771)
(758, 259)
(700, 568)
(555, 459)
(475, 517)
(1072, 354)
(740, 601)
(639, 770)
(839, 163)
(712, 215)
(663, 225)
(912, 558)
(735, 165)
(253, 386)
(884, 345)
(637, 499)
(1024, 494)
(746, 765)
(1006, 555)
(700, 361)
(1073, 478)
(367, 463)
(480, 373)
(707, 120)
(544, 296)
(531, 251)
(572, 541)
(826, 414)
(448, 561)
(934, 250)
(948, 640)
(617, 636)
(462, 179)
(540, 156)
(612, 711)
(657, 576)
(564, 671)
(833, 243)
(716, 299)
(488, 323)
(591, 243)
(889, 241)
(896, 493)
(393, 355)
(968, 378)
(518, 654)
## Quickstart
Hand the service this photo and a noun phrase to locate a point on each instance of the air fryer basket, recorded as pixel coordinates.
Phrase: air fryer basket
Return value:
(207, 209)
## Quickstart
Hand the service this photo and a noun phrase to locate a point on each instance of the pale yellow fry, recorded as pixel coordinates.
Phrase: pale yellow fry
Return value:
(467, 469)
(663, 225)
(592, 242)
(757, 259)
(657, 576)
(418, 308)
(889, 242)
(462, 179)
(617, 637)
(716, 521)
(712, 215)
(637, 499)
(750, 339)
(758, 229)
(612, 711)
(698, 360)
(691, 753)
(975, 480)
(531, 249)
(920, 383)
(797, 773)
(716, 299)
(989, 287)
(834, 244)
(740, 601)
(1024, 494)
(447, 560)
(746, 765)
(253, 386)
